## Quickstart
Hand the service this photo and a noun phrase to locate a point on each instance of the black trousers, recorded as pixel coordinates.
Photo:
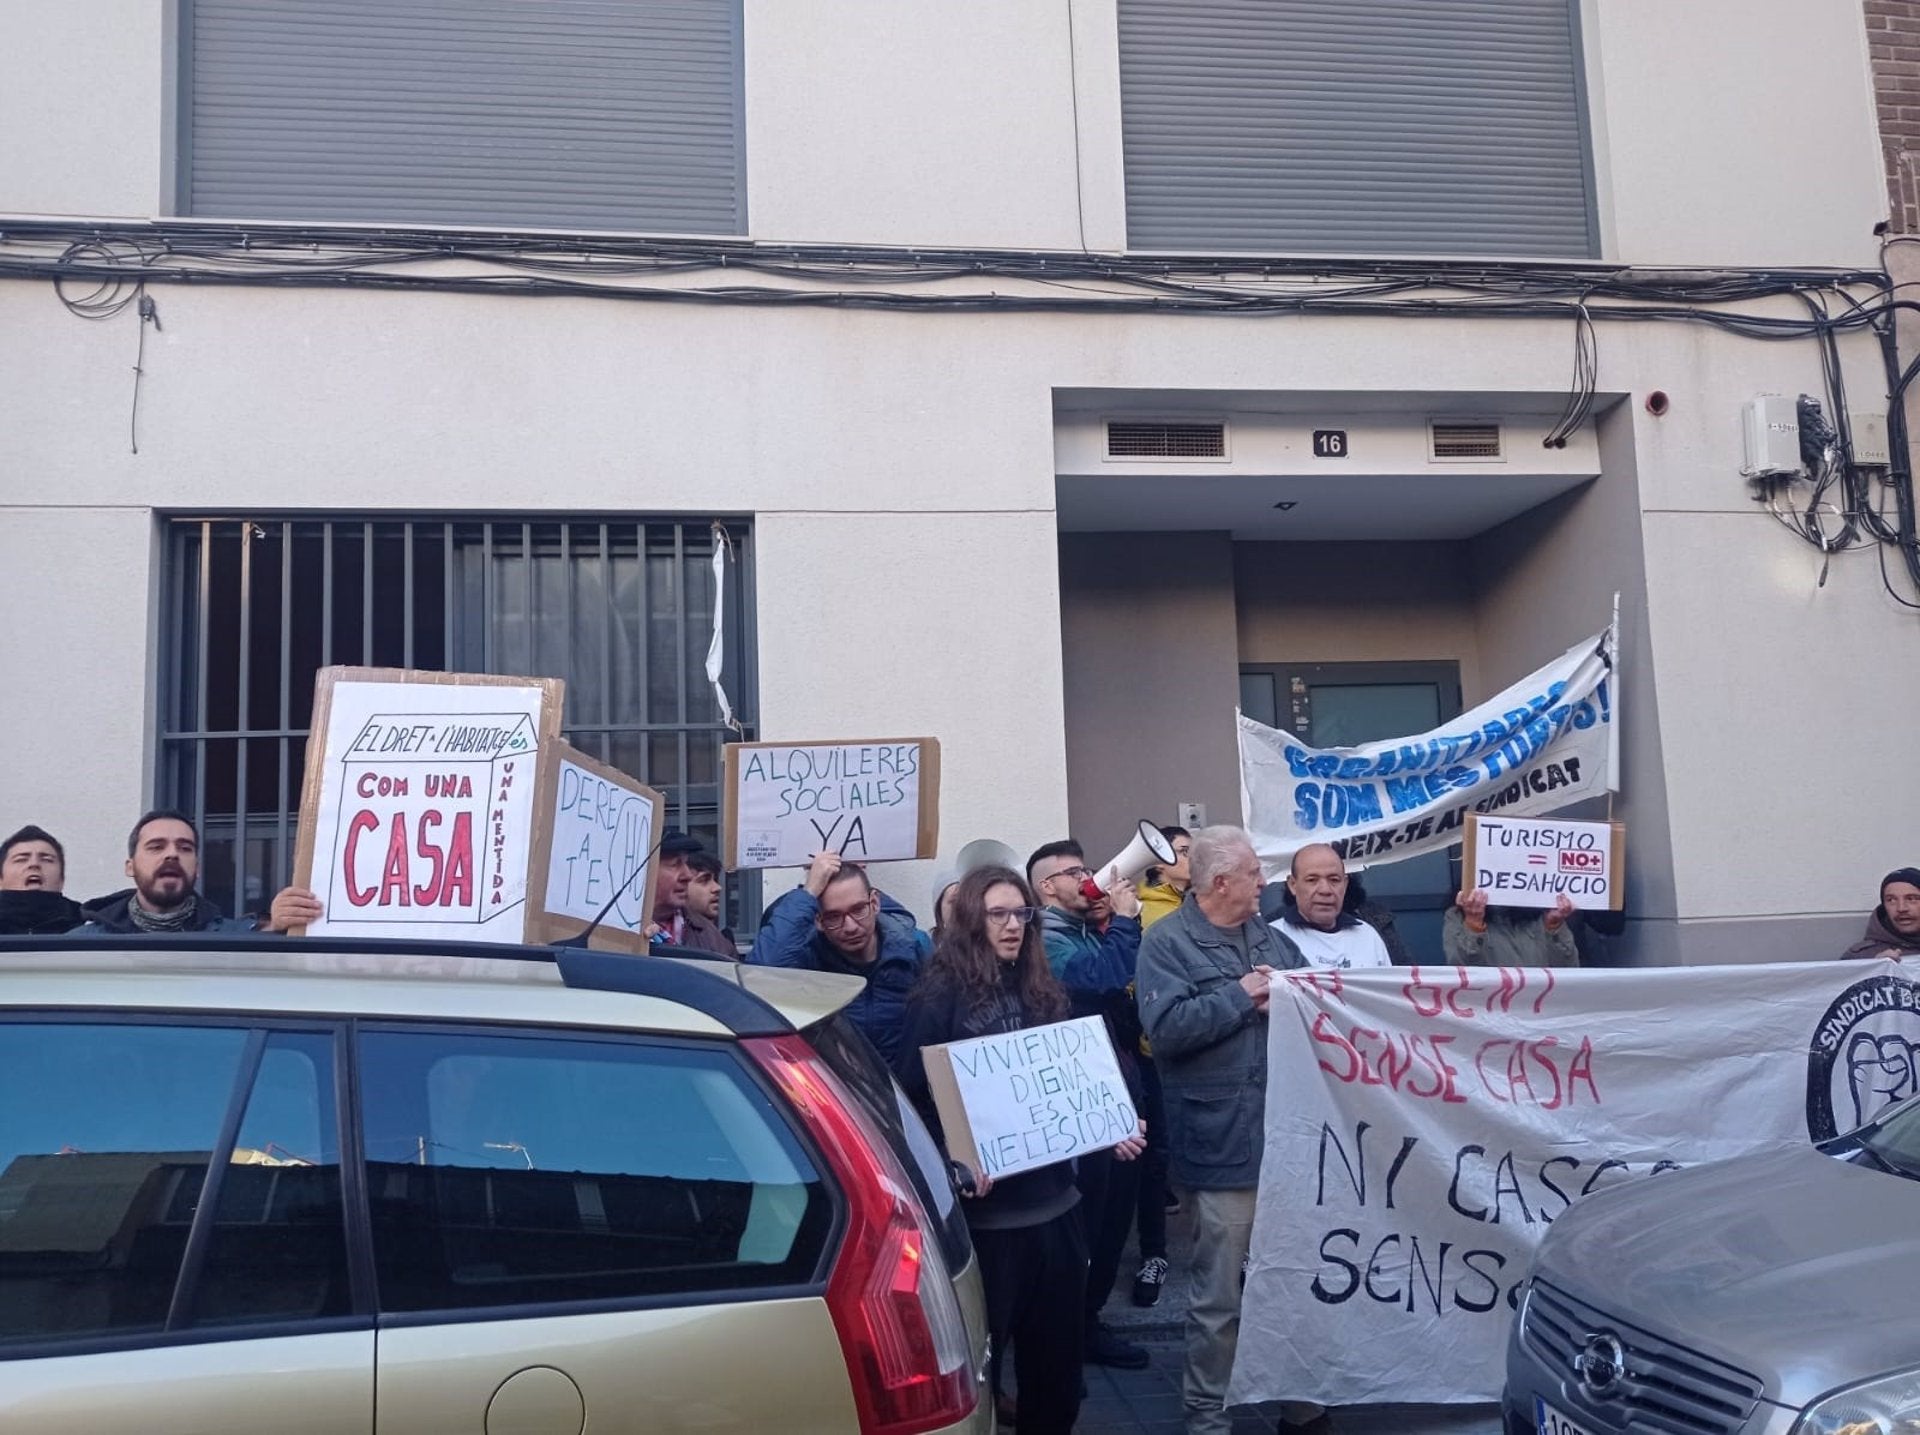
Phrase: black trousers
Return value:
(1109, 1191)
(1035, 1277)
(1153, 1163)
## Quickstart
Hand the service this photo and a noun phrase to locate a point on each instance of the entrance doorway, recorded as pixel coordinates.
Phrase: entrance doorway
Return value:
(1342, 704)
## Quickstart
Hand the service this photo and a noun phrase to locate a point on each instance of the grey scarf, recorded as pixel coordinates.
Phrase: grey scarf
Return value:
(174, 921)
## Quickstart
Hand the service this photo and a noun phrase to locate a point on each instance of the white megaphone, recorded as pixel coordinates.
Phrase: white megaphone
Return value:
(985, 852)
(1148, 849)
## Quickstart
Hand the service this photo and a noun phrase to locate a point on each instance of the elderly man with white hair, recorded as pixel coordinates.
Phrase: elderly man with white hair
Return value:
(1203, 978)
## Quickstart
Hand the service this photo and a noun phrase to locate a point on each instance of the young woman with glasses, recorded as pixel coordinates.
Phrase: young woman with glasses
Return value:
(988, 975)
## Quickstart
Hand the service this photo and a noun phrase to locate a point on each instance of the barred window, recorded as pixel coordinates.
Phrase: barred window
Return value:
(620, 608)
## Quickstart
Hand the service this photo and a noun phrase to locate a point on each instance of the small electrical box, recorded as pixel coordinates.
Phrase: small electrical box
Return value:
(1192, 814)
(1869, 439)
(1771, 427)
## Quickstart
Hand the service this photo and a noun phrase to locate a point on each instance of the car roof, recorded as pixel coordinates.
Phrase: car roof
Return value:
(431, 981)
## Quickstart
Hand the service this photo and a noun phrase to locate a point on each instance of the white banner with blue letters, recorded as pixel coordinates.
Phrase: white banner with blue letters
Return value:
(1543, 744)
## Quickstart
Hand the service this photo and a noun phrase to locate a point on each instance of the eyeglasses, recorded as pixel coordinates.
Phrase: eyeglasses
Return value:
(848, 919)
(1079, 874)
(1011, 916)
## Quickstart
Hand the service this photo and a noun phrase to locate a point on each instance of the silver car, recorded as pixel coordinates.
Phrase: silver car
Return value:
(1775, 1294)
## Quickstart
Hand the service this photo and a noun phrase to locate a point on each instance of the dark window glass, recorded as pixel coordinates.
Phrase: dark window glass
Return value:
(278, 1248)
(105, 1136)
(514, 1170)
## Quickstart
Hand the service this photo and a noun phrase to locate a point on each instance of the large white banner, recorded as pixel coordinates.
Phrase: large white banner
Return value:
(1426, 1124)
(1543, 744)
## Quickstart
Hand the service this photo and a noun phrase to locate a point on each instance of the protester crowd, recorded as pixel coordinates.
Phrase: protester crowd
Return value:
(1178, 968)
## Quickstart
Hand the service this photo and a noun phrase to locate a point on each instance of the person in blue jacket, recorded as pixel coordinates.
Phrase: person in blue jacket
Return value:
(837, 922)
(1092, 943)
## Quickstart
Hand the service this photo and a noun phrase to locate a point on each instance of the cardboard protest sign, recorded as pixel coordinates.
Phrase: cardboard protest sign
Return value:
(1542, 745)
(593, 837)
(417, 814)
(1533, 861)
(1022, 1099)
(1426, 1125)
(870, 801)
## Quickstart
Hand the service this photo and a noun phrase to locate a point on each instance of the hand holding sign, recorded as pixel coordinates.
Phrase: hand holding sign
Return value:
(1562, 909)
(293, 907)
(822, 870)
(1258, 984)
(1132, 1148)
(1473, 906)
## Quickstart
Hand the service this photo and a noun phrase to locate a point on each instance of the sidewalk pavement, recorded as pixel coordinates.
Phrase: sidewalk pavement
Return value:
(1147, 1402)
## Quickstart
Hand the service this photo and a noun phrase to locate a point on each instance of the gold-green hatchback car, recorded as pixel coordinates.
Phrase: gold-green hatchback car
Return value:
(344, 1188)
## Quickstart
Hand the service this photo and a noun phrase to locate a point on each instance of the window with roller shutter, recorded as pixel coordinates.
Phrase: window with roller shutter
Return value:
(1356, 127)
(526, 114)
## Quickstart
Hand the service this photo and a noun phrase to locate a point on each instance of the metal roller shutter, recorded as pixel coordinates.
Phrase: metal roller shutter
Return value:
(556, 114)
(1415, 127)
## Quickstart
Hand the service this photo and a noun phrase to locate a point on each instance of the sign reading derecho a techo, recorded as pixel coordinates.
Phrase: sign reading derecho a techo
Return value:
(873, 800)
(593, 847)
(1535, 861)
(1018, 1100)
(418, 810)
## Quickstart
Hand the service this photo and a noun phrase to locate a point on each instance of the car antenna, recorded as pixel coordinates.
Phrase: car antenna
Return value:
(619, 892)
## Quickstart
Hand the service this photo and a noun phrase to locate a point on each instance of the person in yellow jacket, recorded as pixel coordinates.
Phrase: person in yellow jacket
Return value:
(1159, 897)
(1165, 886)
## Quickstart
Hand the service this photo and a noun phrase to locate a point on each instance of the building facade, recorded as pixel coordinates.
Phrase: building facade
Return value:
(1002, 347)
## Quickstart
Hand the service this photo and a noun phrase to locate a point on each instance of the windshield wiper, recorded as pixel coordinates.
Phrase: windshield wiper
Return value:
(1887, 1159)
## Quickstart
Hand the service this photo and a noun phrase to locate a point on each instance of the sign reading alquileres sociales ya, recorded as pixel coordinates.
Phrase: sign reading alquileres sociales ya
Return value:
(867, 801)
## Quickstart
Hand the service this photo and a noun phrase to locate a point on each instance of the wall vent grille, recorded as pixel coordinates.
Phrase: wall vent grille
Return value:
(1455, 441)
(1133, 438)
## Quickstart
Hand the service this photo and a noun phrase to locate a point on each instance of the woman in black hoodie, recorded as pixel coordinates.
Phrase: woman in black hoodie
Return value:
(989, 975)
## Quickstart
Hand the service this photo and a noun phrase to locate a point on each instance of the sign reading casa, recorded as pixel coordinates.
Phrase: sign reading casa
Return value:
(418, 814)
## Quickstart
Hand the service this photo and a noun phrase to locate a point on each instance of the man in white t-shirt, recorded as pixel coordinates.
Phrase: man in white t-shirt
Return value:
(1315, 921)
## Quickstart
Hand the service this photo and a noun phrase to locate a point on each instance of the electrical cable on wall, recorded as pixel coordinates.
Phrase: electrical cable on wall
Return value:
(1841, 512)
(108, 299)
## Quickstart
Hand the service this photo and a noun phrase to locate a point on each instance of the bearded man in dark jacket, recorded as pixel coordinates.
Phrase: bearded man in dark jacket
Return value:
(163, 858)
(1893, 927)
(33, 876)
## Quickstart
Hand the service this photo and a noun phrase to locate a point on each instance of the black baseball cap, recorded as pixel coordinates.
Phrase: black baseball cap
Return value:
(680, 844)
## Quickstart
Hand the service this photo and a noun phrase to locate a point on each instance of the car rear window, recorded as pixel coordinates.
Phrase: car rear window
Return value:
(856, 1063)
(516, 1170)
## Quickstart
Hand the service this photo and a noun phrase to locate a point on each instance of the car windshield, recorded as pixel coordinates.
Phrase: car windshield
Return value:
(1894, 1139)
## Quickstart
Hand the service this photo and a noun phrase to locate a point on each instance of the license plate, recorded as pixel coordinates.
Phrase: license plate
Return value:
(1548, 1421)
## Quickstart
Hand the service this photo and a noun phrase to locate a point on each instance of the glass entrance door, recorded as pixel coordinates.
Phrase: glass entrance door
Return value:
(1342, 704)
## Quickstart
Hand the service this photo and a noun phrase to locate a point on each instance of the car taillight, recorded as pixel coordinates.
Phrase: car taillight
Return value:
(890, 1293)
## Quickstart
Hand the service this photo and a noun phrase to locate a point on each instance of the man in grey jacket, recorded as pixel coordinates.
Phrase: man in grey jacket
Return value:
(1475, 934)
(1203, 980)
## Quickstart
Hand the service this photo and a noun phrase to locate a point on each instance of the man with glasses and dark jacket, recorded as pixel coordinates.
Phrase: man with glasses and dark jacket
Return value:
(837, 922)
